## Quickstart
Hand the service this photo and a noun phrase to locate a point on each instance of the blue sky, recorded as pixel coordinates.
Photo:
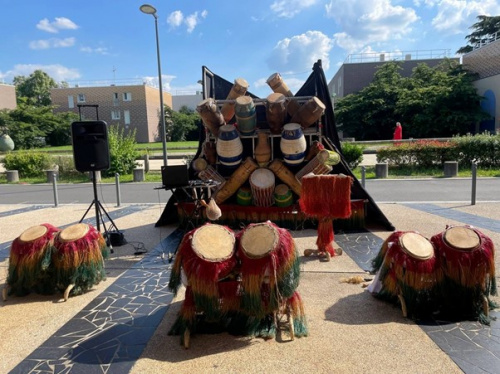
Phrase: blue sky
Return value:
(111, 40)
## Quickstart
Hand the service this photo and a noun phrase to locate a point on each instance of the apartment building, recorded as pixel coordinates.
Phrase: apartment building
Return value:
(7, 96)
(485, 61)
(134, 107)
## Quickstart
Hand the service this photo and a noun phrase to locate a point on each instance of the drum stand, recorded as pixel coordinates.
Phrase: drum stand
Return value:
(99, 210)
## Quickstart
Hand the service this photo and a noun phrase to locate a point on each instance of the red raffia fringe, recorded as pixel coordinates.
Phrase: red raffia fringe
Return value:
(27, 256)
(325, 236)
(202, 275)
(326, 196)
(467, 268)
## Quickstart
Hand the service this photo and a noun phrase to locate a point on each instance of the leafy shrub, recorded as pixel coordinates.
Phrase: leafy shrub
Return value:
(483, 148)
(353, 154)
(66, 166)
(28, 164)
(121, 151)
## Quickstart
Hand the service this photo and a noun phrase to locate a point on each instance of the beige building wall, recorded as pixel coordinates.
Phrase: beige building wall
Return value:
(7, 96)
(133, 107)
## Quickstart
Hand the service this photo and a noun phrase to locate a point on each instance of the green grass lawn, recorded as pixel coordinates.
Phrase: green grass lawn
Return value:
(437, 172)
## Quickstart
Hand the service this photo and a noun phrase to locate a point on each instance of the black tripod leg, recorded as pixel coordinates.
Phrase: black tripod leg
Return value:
(87, 211)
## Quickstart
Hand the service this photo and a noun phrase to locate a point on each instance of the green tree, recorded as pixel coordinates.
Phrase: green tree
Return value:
(181, 124)
(122, 151)
(484, 31)
(35, 88)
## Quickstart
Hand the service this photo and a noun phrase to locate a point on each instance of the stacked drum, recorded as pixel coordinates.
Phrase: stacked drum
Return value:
(452, 274)
(246, 281)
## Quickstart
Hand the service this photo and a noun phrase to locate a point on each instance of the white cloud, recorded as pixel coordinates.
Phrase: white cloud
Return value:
(300, 52)
(98, 50)
(52, 43)
(456, 16)
(57, 72)
(175, 18)
(365, 22)
(165, 81)
(60, 23)
(289, 8)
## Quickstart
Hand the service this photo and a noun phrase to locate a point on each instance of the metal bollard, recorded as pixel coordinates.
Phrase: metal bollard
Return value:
(54, 185)
(474, 179)
(118, 194)
(363, 176)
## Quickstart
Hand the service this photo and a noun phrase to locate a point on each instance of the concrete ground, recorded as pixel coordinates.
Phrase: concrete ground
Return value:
(349, 330)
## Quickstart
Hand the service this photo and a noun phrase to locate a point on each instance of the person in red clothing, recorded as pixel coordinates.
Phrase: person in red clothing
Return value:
(398, 132)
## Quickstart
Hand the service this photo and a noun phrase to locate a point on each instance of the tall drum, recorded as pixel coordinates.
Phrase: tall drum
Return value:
(244, 110)
(262, 184)
(276, 112)
(229, 146)
(293, 144)
(239, 88)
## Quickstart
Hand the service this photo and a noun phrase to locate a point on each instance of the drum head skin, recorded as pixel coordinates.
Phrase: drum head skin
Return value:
(416, 246)
(33, 233)
(262, 178)
(74, 232)
(259, 240)
(213, 243)
(462, 238)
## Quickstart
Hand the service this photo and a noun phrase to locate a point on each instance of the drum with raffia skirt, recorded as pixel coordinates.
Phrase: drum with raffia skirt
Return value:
(29, 262)
(293, 144)
(270, 270)
(262, 183)
(408, 272)
(78, 256)
(468, 264)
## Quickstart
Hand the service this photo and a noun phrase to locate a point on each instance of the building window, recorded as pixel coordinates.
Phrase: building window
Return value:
(127, 96)
(115, 114)
(81, 98)
(71, 102)
(115, 98)
(126, 116)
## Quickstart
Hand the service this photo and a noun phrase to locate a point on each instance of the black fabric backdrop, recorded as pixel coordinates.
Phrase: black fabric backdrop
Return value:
(218, 88)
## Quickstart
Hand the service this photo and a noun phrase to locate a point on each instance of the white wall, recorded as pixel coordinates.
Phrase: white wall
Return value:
(493, 84)
(191, 101)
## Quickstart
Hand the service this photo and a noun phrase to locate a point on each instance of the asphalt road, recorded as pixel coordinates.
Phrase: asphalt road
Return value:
(382, 190)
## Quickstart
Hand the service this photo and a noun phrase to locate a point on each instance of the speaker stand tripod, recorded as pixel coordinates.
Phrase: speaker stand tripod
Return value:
(99, 210)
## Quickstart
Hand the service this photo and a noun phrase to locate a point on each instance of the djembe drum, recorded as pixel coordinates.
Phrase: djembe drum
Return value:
(468, 264)
(262, 184)
(408, 271)
(269, 268)
(78, 255)
(206, 259)
(29, 262)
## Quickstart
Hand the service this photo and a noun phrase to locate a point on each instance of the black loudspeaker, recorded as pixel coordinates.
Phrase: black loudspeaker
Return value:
(90, 145)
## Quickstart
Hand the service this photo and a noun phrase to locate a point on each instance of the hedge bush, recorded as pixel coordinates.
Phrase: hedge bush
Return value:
(122, 151)
(483, 148)
(28, 164)
(353, 154)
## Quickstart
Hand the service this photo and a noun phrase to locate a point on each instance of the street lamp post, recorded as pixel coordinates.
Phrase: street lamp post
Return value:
(149, 9)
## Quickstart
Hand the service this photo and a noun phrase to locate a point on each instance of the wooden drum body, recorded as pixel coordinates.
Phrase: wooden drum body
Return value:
(262, 184)
(244, 110)
(293, 144)
(276, 112)
(409, 272)
(29, 261)
(211, 116)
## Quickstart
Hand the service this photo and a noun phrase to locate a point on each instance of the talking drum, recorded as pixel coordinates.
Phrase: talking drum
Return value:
(78, 257)
(206, 256)
(239, 88)
(269, 267)
(409, 272)
(244, 110)
(309, 113)
(467, 260)
(29, 261)
(276, 112)
(283, 196)
(229, 146)
(211, 115)
(262, 184)
(293, 144)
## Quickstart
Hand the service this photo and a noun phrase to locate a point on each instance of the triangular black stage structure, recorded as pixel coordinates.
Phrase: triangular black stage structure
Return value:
(218, 88)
